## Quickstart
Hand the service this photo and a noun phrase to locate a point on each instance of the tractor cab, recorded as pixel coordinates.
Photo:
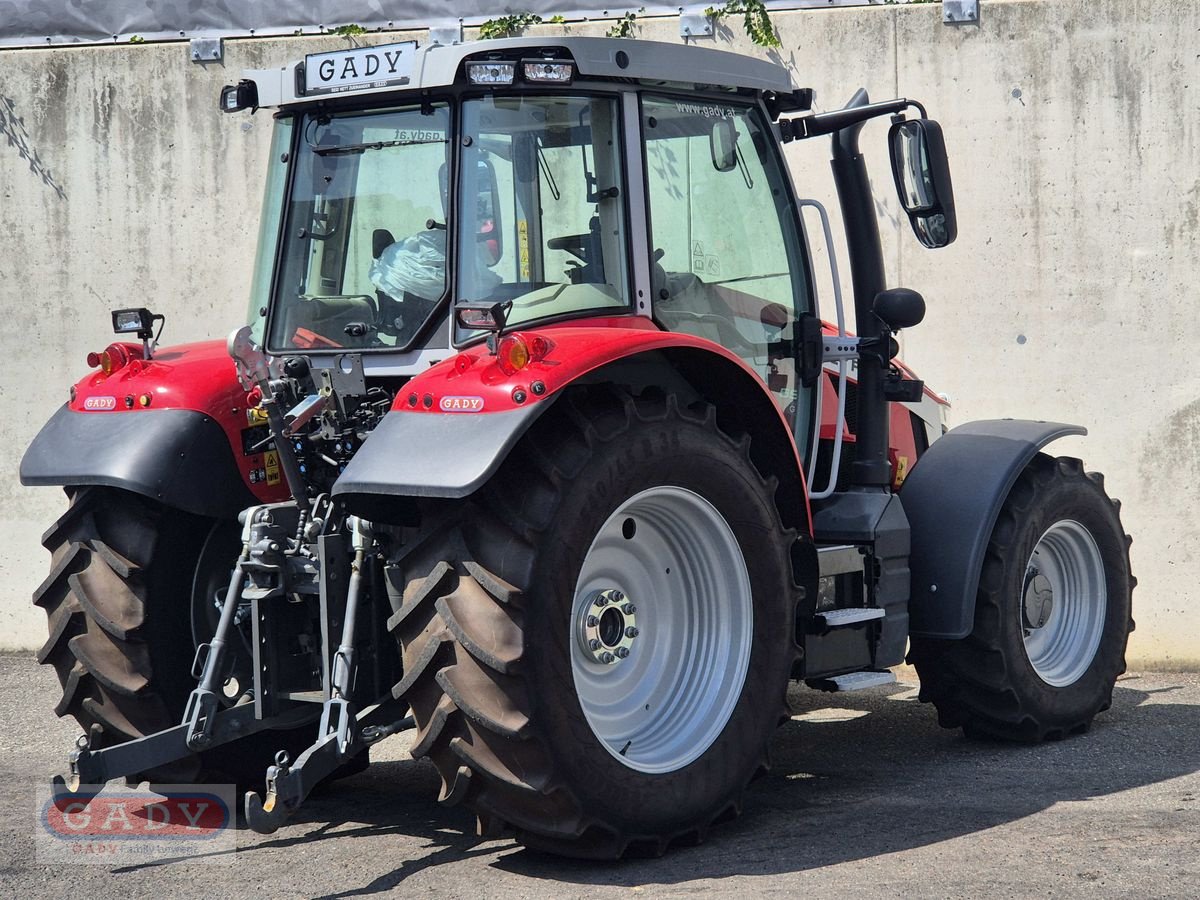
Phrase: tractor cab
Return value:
(582, 181)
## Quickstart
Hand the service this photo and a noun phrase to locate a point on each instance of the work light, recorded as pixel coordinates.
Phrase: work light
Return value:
(548, 71)
(491, 71)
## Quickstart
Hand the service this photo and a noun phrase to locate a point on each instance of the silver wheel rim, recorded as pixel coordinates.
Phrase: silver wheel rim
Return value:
(661, 629)
(1063, 603)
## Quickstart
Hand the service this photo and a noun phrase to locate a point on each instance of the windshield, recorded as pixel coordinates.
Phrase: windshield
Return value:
(541, 220)
(363, 248)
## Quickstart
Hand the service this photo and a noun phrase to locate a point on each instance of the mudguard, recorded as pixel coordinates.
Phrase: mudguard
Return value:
(953, 497)
(436, 454)
(178, 456)
(452, 426)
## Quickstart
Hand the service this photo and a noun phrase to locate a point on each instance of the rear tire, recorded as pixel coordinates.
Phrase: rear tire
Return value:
(1052, 616)
(491, 612)
(119, 604)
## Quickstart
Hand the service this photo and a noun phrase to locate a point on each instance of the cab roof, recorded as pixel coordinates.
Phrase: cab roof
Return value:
(438, 65)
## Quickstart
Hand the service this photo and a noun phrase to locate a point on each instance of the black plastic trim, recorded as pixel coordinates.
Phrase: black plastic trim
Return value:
(177, 456)
(435, 454)
(953, 497)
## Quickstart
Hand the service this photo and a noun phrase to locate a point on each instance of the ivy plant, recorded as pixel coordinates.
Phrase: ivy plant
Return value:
(623, 27)
(508, 26)
(755, 20)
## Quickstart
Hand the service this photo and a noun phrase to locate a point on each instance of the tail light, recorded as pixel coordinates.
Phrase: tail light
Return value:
(516, 351)
(113, 357)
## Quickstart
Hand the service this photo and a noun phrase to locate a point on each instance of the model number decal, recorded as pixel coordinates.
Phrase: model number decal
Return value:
(462, 404)
(100, 403)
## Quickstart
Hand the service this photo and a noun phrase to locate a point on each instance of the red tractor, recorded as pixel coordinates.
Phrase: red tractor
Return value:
(537, 444)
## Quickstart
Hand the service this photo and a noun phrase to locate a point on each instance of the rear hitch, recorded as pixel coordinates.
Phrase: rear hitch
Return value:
(289, 784)
(343, 733)
(91, 769)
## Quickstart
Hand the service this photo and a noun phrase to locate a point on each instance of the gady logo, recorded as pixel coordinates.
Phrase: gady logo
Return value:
(135, 816)
(462, 404)
(100, 403)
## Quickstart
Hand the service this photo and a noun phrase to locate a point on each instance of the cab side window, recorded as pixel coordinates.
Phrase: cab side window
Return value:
(726, 262)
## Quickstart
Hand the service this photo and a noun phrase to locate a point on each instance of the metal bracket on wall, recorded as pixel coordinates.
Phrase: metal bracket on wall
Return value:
(694, 23)
(207, 49)
(446, 35)
(960, 12)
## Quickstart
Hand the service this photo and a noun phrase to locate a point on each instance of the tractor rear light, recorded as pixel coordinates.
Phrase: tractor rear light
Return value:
(112, 358)
(516, 351)
(483, 316)
(512, 354)
(548, 71)
(493, 72)
(540, 347)
(243, 95)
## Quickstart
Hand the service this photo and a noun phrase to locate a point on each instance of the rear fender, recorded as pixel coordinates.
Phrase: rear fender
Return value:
(953, 497)
(187, 447)
(453, 425)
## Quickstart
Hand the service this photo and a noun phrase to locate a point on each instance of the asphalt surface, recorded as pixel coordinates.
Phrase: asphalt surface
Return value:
(868, 797)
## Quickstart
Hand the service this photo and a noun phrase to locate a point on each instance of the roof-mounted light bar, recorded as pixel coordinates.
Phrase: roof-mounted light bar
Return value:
(498, 72)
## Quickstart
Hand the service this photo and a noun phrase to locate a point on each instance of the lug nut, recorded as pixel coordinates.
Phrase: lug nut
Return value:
(606, 657)
(594, 643)
(629, 609)
(617, 596)
(631, 632)
(592, 621)
(622, 652)
(601, 601)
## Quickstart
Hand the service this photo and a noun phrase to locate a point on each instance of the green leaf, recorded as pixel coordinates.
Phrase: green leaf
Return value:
(508, 26)
(755, 20)
(623, 27)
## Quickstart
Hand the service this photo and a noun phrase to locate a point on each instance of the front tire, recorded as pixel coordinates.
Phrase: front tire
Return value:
(1052, 616)
(642, 727)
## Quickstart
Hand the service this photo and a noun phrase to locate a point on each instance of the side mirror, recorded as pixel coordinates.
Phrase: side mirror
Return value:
(922, 172)
(722, 145)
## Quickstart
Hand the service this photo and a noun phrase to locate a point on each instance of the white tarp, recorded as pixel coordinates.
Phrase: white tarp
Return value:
(33, 23)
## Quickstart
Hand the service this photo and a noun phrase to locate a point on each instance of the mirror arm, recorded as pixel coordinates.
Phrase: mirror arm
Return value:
(803, 127)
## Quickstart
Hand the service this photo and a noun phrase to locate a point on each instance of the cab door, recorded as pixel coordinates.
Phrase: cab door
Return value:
(727, 258)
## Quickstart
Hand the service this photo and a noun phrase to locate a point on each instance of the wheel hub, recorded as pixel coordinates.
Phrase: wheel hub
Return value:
(660, 629)
(608, 627)
(1064, 602)
(1039, 599)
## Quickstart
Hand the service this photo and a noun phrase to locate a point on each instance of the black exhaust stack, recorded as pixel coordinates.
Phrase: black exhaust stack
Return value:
(870, 468)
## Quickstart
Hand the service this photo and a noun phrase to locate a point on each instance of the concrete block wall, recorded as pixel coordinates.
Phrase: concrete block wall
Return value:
(1069, 295)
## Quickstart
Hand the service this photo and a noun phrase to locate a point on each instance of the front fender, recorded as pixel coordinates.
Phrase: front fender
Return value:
(953, 497)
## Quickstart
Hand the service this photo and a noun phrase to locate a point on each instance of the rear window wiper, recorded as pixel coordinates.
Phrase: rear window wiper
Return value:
(370, 145)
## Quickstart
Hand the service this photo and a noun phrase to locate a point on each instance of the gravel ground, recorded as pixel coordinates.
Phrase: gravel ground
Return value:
(867, 798)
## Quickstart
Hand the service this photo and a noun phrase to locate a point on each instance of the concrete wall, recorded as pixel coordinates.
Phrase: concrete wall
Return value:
(1072, 130)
